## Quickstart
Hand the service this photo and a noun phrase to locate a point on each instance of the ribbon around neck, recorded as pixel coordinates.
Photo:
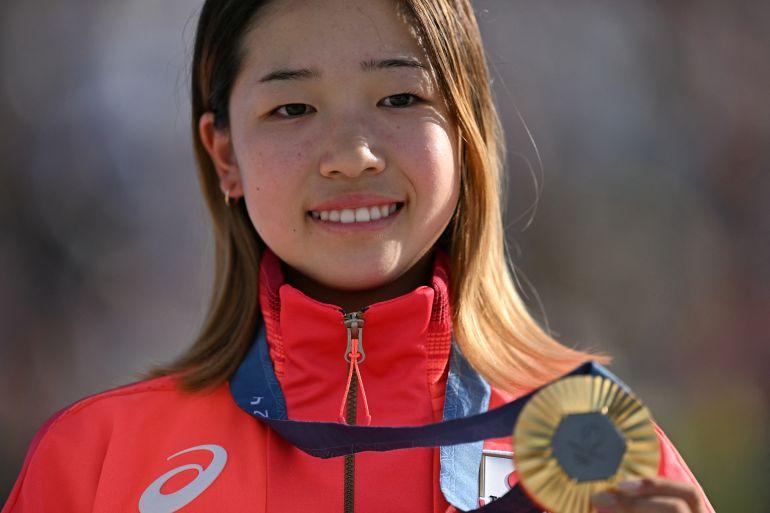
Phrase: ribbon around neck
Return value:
(256, 390)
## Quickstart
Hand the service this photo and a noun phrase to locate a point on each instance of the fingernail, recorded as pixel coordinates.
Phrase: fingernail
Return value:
(604, 500)
(630, 487)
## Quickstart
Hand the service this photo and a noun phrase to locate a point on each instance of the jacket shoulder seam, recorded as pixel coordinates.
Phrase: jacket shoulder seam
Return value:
(154, 385)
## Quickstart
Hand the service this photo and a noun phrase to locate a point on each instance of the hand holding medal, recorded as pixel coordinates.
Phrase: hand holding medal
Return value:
(584, 443)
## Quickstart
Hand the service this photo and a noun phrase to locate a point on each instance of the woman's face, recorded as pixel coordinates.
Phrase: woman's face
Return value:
(335, 113)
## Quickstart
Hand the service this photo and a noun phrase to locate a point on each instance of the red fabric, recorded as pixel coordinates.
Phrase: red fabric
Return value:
(406, 341)
(439, 333)
(102, 453)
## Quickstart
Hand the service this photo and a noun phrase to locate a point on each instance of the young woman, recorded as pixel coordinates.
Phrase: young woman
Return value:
(351, 158)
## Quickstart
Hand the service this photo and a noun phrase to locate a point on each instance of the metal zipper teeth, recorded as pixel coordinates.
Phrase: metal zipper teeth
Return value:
(349, 479)
(352, 320)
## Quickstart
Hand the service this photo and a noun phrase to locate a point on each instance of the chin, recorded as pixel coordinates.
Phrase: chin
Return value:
(365, 279)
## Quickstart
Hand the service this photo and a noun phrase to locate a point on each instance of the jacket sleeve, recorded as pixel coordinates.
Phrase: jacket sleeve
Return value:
(62, 467)
(672, 466)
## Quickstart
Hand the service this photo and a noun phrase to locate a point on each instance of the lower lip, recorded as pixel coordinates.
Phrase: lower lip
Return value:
(369, 226)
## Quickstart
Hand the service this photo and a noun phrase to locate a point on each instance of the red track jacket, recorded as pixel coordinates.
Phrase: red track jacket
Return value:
(151, 448)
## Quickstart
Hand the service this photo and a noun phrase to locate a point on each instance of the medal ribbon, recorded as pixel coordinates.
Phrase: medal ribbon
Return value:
(256, 390)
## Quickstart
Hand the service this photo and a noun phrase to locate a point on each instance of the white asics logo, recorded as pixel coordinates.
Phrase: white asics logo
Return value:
(152, 501)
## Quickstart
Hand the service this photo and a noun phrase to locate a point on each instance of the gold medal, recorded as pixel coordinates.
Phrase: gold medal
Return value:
(579, 436)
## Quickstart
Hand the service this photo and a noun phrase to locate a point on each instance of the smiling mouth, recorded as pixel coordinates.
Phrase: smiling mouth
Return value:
(357, 215)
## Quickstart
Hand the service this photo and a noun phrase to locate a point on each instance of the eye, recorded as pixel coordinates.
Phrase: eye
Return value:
(295, 110)
(404, 99)
(291, 110)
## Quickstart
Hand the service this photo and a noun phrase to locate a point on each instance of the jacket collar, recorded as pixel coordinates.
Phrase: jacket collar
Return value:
(258, 389)
(307, 340)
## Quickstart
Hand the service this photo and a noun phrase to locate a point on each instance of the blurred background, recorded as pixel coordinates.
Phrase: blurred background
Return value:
(639, 225)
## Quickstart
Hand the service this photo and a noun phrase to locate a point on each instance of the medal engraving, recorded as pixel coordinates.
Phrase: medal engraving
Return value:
(588, 446)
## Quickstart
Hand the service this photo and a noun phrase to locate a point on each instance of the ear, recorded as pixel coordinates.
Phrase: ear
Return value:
(218, 144)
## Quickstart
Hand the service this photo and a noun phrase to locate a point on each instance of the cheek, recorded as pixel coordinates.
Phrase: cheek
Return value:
(273, 177)
(431, 168)
(266, 163)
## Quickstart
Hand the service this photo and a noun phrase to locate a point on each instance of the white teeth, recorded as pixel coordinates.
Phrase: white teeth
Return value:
(359, 215)
(347, 216)
(362, 215)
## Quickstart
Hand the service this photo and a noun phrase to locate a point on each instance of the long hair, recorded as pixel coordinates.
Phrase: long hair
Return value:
(491, 323)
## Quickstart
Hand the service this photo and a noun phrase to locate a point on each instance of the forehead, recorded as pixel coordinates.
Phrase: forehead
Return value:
(329, 33)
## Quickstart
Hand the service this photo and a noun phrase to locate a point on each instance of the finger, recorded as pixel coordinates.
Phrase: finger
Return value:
(656, 504)
(623, 504)
(658, 486)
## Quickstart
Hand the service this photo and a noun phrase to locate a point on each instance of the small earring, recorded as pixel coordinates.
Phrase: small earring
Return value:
(227, 197)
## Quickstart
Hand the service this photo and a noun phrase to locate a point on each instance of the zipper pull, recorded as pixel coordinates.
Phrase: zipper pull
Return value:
(354, 322)
(354, 355)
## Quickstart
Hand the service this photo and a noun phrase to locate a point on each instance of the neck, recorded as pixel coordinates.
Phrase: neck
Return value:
(353, 300)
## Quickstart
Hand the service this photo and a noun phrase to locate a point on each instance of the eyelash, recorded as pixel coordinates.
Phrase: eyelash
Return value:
(416, 100)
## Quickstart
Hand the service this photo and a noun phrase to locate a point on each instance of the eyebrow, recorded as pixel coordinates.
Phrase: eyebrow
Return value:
(370, 65)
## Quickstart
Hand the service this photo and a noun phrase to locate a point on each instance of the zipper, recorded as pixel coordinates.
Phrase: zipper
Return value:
(354, 323)
(354, 355)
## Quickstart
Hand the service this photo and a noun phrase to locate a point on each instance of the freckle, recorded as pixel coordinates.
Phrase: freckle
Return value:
(257, 188)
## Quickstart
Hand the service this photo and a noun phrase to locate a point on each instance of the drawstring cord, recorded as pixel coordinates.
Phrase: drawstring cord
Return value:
(353, 358)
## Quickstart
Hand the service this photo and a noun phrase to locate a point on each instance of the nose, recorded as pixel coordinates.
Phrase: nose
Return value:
(351, 156)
